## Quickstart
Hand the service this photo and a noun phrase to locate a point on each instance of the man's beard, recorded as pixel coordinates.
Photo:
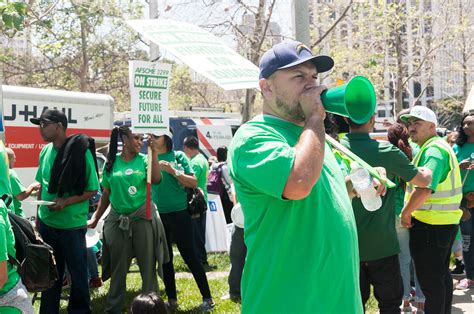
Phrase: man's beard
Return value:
(294, 114)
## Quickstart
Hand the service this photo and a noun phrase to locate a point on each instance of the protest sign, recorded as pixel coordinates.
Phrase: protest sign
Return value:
(149, 85)
(200, 50)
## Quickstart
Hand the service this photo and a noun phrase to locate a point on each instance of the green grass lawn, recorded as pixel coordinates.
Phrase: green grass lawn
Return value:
(188, 293)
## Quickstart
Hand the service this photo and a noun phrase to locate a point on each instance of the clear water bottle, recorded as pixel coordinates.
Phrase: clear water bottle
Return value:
(362, 182)
(180, 169)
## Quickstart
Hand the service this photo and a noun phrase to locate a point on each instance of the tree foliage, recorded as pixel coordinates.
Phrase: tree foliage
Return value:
(12, 15)
(449, 111)
(87, 48)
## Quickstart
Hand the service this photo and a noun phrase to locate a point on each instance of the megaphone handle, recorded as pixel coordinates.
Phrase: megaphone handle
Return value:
(374, 173)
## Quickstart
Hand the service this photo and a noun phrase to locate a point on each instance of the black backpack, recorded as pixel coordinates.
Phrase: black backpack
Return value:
(34, 258)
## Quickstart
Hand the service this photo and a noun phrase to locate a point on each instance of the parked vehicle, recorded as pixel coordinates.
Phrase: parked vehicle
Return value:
(213, 129)
(87, 113)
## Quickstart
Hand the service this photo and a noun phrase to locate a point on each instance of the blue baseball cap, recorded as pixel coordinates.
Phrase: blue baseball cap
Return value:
(288, 54)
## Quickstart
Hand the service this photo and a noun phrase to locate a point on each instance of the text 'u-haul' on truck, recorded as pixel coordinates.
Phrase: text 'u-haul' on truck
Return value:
(87, 113)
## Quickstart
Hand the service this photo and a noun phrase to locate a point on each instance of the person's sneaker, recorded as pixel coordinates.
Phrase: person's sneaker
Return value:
(465, 284)
(95, 283)
(172, 304)
(458, 268)
(233, 298)
(207, 305)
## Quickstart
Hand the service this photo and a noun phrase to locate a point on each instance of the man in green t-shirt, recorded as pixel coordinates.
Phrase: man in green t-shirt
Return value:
(432, 213)
(63, 222)
(378, 242)
(201, 170)
(300, 231)
(19, 192)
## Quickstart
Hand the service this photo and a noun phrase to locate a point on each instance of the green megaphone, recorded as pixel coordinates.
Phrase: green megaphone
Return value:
(354, 100)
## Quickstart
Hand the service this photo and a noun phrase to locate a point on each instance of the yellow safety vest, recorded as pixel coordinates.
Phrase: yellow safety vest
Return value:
(442, 207)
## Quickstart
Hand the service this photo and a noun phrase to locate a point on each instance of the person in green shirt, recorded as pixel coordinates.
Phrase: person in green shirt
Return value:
(432, 214)
(63, 223)
(300, 232)
(201, 170)
(19, 192)
(5, 187)
(13, 294)
(378, 242)
(397, 135)
(127, 231)
(170, 197)
(464, 149)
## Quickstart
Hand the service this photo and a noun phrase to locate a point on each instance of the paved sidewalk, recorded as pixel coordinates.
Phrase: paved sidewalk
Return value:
(463, 301)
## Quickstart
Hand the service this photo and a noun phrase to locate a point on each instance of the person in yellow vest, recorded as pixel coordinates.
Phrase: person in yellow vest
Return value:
(432, 213)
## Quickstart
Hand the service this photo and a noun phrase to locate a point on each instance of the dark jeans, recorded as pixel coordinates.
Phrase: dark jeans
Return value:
(430, 247)
(467, 228)
(227, 205)
(69, 249)
(179, 228)
(384, 274)
(237, 254)
(199, 226)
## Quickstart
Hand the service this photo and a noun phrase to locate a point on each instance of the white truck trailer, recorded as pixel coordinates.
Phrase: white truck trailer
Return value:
(87, 113)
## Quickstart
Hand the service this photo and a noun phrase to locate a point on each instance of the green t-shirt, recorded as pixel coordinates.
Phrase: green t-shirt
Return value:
(17, 188)
(296, 249)
(5, 187)
(462, 153)
(70, 217)
(169, 195)
(399, 197)
(376, 230)
(7, 246)
(127, 183)
(437, 161)
(201, 171)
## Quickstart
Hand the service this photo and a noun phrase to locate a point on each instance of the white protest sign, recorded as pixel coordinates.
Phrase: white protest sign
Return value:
(202, 51)
(149, 85)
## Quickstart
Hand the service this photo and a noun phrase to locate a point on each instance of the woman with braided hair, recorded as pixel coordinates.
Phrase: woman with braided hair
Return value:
(127, 232)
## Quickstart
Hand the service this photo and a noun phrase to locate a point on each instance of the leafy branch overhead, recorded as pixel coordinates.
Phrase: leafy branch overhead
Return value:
(13, 15)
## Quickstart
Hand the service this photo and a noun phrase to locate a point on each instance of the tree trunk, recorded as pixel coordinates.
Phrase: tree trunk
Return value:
(84, 70)
(247, 109)
(255, 46)
(399, 84)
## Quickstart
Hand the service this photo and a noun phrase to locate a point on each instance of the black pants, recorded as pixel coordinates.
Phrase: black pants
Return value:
(237, 254)
(430, 247)
(199, 225)
(179, 228)
(384, 274)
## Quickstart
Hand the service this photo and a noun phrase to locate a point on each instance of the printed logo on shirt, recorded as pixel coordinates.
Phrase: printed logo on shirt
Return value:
(132, 190)
(128, 171)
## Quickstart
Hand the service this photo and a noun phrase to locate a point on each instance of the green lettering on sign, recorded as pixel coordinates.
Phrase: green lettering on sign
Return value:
(151, 81)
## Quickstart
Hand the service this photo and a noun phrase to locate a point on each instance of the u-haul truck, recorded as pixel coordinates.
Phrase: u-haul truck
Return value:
(87, 113)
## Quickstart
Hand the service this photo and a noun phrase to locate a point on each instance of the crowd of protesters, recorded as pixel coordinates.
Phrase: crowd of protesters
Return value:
(306, 237)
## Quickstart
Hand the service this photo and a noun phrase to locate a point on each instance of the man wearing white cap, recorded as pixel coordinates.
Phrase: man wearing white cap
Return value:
(432, 213)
